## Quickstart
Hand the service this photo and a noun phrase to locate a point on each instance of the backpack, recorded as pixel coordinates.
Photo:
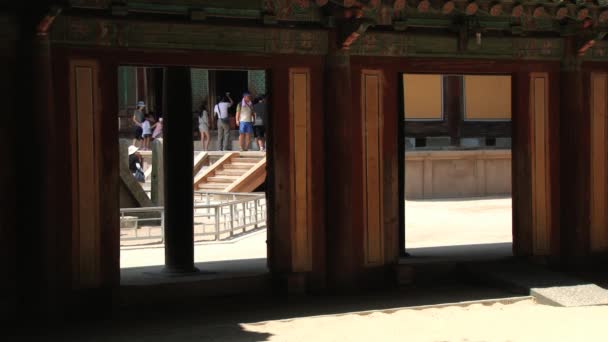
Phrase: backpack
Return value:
(224, 120)
(139, 176)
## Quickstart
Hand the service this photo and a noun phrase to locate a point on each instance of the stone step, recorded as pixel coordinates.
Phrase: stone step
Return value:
(230, 172)
(212, 186)
(238, 161)
(240, 166)
(251, 160)
(222, 179)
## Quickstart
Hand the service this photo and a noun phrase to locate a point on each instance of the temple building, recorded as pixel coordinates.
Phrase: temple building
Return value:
(517, 89)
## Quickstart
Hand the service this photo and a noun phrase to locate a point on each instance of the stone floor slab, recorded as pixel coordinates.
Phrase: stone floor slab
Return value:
(548, 287)
(569, 296)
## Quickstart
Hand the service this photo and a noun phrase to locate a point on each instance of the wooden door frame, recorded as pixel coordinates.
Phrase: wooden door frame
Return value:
(277, 68)
(520, 73)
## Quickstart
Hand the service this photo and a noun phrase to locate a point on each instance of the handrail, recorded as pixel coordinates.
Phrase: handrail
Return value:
(199, 160)
(141, 209)
(244, 213)
(228, 193)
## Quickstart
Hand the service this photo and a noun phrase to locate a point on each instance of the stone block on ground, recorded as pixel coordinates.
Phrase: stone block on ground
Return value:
(547, 287)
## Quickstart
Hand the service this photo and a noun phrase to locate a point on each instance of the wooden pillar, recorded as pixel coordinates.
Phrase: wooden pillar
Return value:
(373, 163)
(84, 80)
(453, 100)
(301, 168)
(340, 159)
(541, 169)
(535, 164)
(8, 175)
(598, 199)
(575, 156)
(43, 109)
(521, 166)
(157, 176)
(36, 290)
(178, 151)
(278, 160)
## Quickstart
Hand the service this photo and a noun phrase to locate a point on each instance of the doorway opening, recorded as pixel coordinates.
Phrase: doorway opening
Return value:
(455, 170)
(229, 185)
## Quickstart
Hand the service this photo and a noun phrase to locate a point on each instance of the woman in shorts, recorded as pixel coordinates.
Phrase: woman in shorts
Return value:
(203, 126)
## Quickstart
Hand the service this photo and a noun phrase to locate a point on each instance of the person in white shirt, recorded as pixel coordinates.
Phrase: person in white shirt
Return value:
(223, 122)
(138, 119)
(146, 128)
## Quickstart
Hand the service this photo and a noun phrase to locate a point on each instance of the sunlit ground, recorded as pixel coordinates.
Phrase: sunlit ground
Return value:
(457, 222)
(428, 223)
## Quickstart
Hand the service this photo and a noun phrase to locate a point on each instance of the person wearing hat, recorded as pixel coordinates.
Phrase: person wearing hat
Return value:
(138, 119)
(136, 162)
(244, 119)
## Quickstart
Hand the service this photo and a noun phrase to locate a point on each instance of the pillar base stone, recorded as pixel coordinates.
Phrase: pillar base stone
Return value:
(180, 271)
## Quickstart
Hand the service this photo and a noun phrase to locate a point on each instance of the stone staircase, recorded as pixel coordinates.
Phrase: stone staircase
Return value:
(233, 172)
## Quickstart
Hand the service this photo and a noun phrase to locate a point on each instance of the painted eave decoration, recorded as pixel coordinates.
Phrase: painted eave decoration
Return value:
(556, 16)
(467, 28)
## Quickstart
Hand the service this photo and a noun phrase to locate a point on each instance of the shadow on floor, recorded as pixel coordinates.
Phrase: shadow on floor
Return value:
(191, 330)
(210, 270)
(460, 253)
(203, 318)
(220, 319)
(519, 273)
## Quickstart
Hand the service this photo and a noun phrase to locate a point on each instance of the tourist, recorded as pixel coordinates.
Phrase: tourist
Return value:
(138, 119)
(146, 128)
(223, 122)
(244, 119)
(259, 131)
(203, 126)
(158, 130)
(136, 162)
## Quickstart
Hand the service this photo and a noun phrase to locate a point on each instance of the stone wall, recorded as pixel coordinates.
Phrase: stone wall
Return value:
(453, 174)
(127, 98)
(256, 81)
(200, 87)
